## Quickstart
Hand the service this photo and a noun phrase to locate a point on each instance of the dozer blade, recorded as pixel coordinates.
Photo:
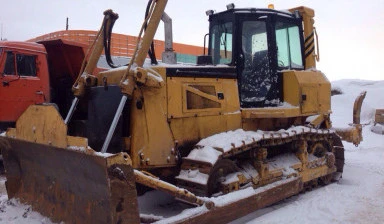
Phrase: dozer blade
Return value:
(69, 185)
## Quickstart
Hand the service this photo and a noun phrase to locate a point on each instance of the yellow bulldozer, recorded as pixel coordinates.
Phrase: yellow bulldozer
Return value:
(252, 115)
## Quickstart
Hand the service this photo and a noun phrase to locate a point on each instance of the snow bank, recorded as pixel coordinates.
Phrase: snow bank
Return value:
(342, 105)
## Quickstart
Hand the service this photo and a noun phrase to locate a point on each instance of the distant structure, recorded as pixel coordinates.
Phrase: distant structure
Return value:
(124, 45)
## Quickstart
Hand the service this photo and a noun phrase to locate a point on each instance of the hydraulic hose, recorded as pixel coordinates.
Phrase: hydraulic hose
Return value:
(151, 51)
(107, 44)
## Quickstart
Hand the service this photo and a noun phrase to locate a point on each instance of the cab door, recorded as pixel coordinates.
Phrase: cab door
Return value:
(257, 77)
(22, 83)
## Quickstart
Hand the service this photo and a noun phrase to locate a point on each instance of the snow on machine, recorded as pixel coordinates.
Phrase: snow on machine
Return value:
(246, 127)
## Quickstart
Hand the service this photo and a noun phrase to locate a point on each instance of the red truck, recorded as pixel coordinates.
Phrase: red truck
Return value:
(36, 73)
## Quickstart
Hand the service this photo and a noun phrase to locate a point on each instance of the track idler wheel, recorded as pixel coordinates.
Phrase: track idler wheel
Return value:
(217, 175)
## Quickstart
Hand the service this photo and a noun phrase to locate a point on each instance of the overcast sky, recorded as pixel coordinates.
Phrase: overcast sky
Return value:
(351, 32)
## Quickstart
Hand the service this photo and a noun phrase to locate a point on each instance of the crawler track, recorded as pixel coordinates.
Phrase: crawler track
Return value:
(236, 159)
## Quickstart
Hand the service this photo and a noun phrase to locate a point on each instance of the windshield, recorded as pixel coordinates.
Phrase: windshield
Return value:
(288, 46)
(221, 43)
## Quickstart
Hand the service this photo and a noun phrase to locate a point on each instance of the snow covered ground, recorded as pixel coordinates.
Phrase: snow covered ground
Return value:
(357, 198)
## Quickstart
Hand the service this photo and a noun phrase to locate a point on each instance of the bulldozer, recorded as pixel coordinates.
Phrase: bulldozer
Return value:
(247, 126)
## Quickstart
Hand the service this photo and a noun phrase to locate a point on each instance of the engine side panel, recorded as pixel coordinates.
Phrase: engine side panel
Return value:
(310, 90)
(202, 105)
(152, 142)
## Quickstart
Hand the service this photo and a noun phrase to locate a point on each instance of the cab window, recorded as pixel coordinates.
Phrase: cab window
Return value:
(20, 64)
(26, 65)
(289, 53)
(9, 68)
(221, 43)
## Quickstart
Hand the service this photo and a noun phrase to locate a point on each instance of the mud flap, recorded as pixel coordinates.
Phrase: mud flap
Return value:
(69, 185)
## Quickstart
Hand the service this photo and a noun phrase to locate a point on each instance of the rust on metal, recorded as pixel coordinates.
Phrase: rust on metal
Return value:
(68, 185)
(232, 211)
(357, 107)
(379, 116)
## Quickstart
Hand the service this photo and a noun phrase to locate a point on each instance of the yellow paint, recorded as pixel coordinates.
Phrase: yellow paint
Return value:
(189, 124)
(178, 87)
(313, 173)
(310, 90)
(110, 77)
(11, 132)
(272, 112)
(318, 120)
(119, 158)
(77, 141)
(42, 124)
(152, 143)
(308, 22)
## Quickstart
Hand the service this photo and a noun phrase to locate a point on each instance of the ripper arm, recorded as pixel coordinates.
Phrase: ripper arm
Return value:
(354, 132)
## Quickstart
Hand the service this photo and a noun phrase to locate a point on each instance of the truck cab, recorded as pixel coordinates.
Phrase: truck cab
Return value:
(24, 78)
(37, 73)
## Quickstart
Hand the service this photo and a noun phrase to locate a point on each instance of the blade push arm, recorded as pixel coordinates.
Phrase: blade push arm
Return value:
(128, 81)
(85, 77)
(156, 10)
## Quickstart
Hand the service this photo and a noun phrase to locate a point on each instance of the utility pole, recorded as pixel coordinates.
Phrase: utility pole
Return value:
(66, 26)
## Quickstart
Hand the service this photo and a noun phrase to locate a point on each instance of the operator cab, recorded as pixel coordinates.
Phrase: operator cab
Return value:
(260, 43)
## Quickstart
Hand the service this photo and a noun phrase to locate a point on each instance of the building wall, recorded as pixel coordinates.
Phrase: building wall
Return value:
(124, 45)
